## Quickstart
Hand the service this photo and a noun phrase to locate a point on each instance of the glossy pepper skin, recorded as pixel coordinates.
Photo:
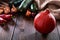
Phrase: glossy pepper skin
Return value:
(33, 7)
(15, 2)
(6, 16)
(2, 21)
(44, 22)
(24, 5)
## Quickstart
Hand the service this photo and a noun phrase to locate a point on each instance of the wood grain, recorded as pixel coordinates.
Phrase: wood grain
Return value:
(7, 31)
(25, 31)
(58, 27)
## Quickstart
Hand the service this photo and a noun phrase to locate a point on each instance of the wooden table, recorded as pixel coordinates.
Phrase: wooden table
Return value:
(23, 29)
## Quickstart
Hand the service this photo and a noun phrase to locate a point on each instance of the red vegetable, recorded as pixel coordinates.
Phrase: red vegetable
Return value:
(1, 10)
(6, 9)
(2, 21)
(13, 9)
(6, 16)
(44, 22)
(28, 13)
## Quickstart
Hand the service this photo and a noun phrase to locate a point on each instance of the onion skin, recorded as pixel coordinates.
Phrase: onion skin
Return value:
(44, 22)
(2, 21)
(6, 16)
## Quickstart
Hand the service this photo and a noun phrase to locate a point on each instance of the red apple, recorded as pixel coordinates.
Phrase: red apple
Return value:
(44, 22)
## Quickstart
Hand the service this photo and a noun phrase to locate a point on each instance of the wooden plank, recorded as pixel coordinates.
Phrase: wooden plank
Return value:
(54, 35)
(6, 32)
(25, 31)
(58, 27)
(51, 36)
